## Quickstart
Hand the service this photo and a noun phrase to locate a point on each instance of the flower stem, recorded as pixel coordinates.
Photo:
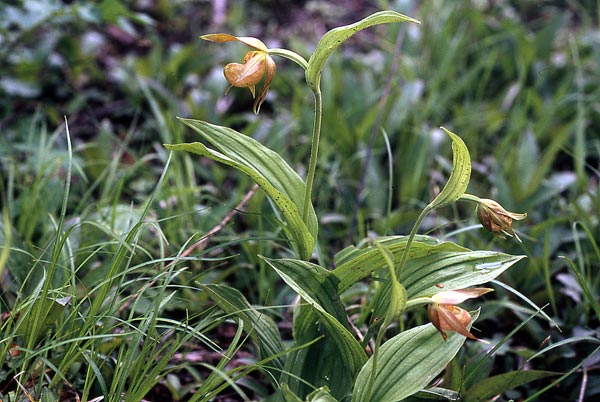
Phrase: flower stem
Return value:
(314, 150)
(470, 197)
(413, 232)
(386, 323)
(312, 167)
(288, 54)
(417, 301)
(394, 311)
(411, 237)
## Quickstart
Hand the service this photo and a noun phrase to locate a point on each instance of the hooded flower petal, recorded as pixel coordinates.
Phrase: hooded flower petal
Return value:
(270, 69)
(450, 318)
(248, 74)
(445, 316)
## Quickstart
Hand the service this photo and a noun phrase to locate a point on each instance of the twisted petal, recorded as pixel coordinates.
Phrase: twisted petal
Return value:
(270, 69)
(455, 319)
(450, 318)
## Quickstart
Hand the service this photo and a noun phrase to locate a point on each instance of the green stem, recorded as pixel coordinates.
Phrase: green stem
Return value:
(470, 197)
(288, 54)
(395, 308)
(411, 237)
(413, 232)
(312, 167)
(411, 303)
(417, 301)
(314, 150)
(386, 323)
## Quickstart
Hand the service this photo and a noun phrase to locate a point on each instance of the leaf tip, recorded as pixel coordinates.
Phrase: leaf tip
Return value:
(446, 130)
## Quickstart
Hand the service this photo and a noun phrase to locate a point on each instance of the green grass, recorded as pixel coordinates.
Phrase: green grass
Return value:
(86, 308)
(99, 295)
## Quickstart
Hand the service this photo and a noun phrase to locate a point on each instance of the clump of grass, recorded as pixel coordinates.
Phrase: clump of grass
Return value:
(96, 308)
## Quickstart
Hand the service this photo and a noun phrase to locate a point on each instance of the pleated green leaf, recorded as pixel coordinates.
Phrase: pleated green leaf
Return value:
(460, 176)
(288, 394)
(406, 364)
(261, 328)
(313, 283)
(318, 395)
(355, 264)
(302, 372)
(446, 270)
(426, 275)
(267, 169)
(334, 38)
(430, 264)
(321, 395)
(318, 288)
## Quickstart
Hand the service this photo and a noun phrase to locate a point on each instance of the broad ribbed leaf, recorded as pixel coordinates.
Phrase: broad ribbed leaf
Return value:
(302, 372)
(424, 276)
(460, 176)
(489, 387)
(431, 267)
(314, 283)
(429, 263)
(351, 252)
(406, 364)
(261, 328)
(266, 168)
(435, 393)
(446, 270)
(317, 287)
(355, 264)
(318, 395)
(288, 394)
(334, 38)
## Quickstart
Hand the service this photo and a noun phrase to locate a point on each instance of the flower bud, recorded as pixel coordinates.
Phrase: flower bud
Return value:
(496, 219)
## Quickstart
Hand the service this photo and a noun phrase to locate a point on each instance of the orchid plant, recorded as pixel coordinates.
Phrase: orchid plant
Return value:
(327, 358)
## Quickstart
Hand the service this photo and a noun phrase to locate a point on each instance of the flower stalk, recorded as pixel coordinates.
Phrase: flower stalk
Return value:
(314, 152)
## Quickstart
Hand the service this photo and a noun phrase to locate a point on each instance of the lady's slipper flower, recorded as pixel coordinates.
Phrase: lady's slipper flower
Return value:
(257, 64)
(496, 219)
(446, 316)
